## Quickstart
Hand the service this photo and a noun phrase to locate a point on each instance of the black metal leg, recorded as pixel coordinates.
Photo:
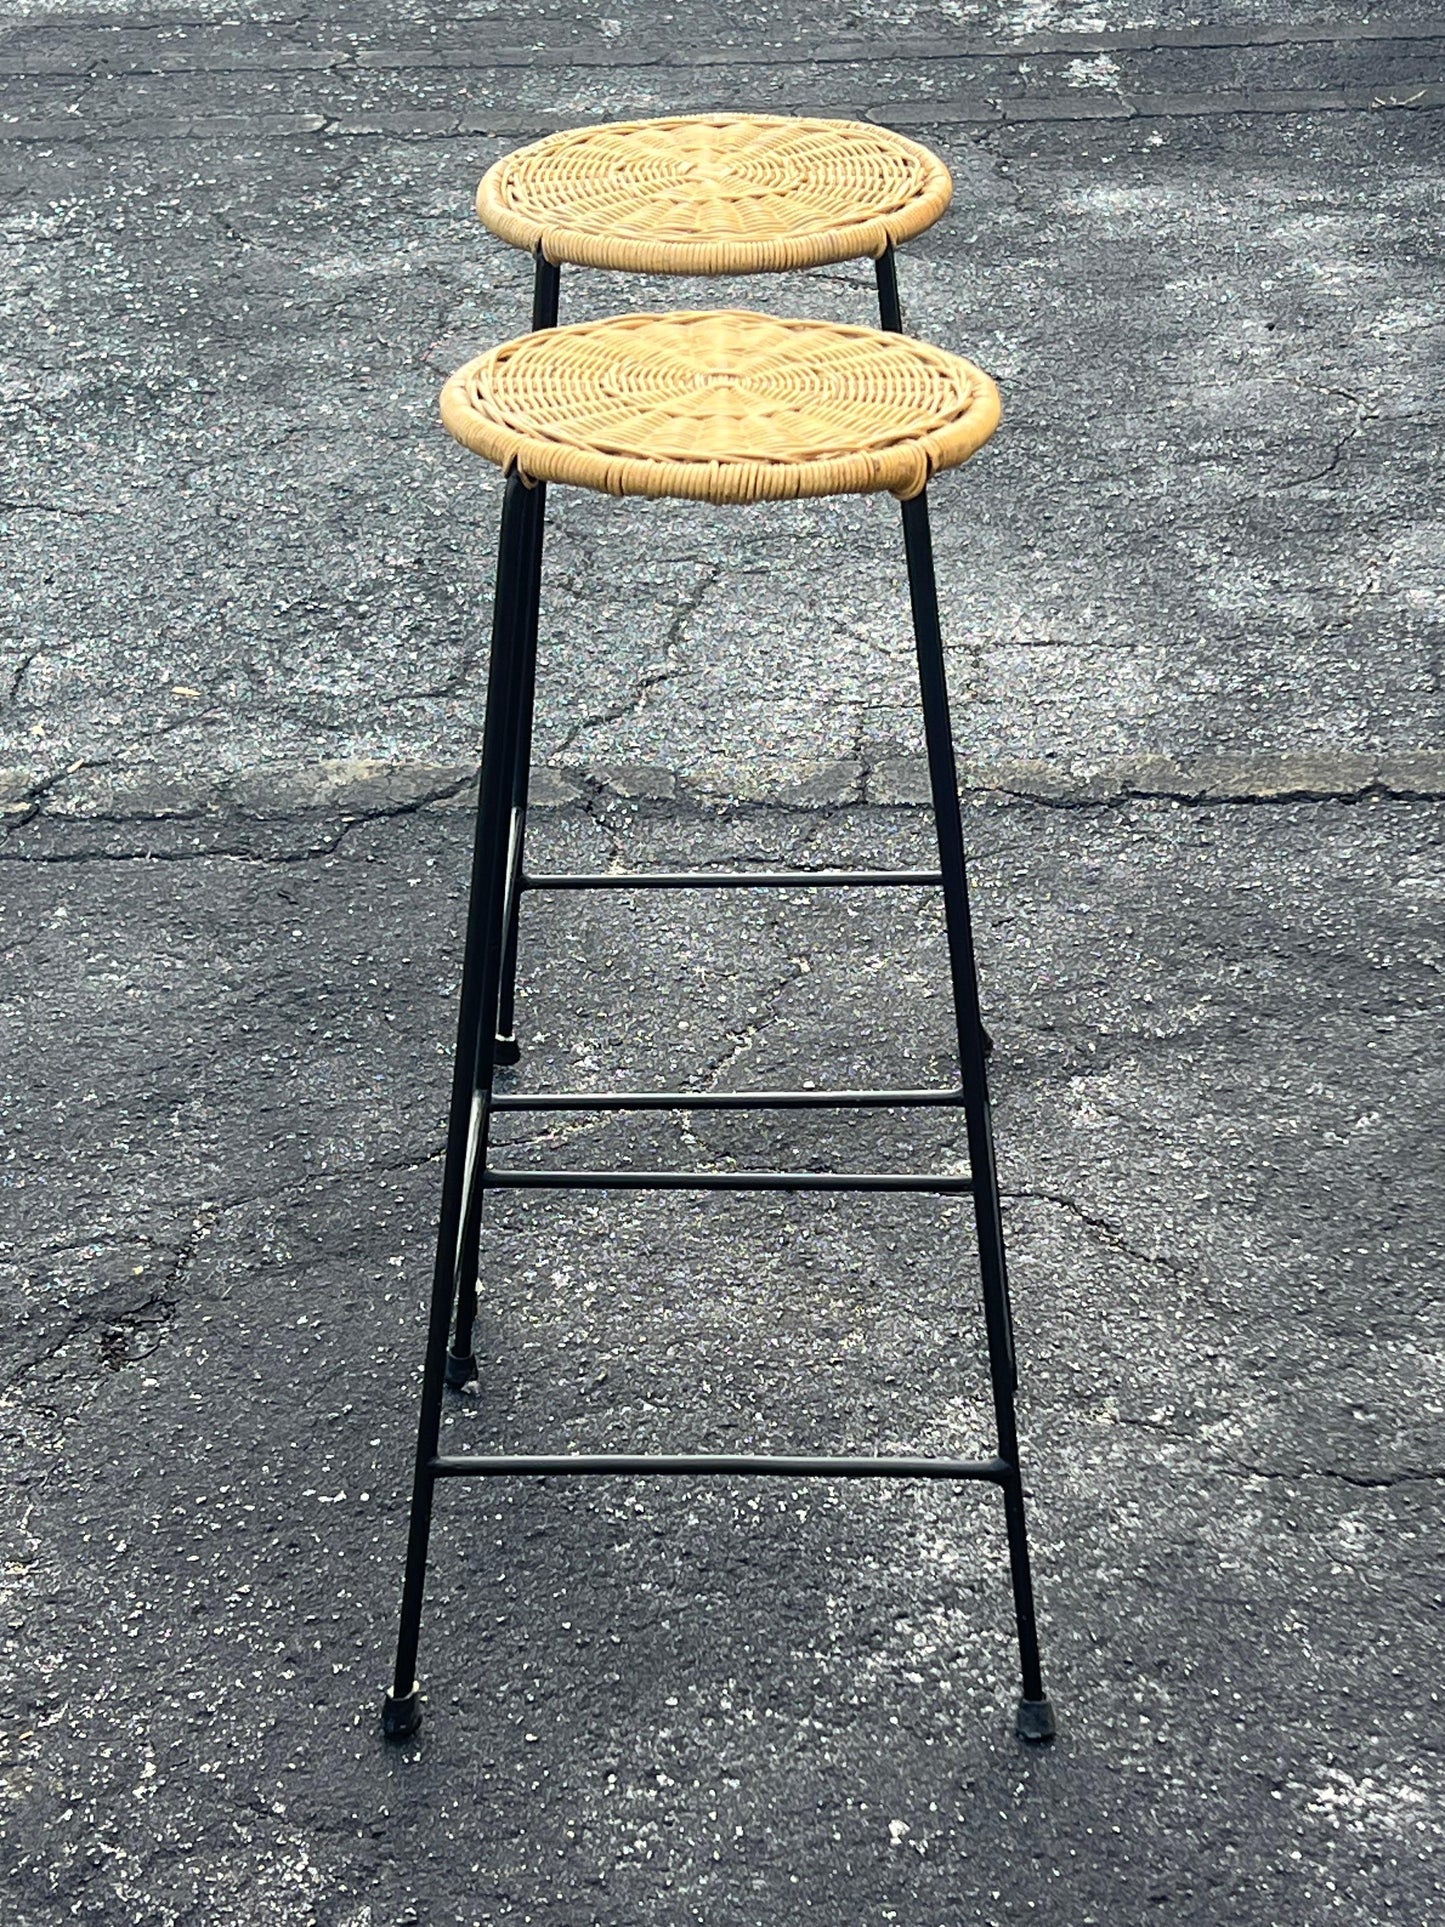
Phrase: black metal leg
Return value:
(461, 1358)
(546, 291)
(890, 311)
(471, 1073)
(546, 294)
(1035, 1717)
(890, 316)
(506, 1049)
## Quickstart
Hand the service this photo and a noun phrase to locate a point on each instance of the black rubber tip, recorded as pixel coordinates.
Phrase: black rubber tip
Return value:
(401, 1714)
(506, 1050)
(461, 1371)
(1036, 1722)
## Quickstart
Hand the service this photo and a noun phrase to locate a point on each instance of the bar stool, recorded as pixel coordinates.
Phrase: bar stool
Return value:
(723, 408)
(707, 194)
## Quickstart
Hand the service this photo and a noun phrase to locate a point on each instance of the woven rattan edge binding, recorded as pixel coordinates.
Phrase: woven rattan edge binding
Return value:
(868, 241)
(849, 241)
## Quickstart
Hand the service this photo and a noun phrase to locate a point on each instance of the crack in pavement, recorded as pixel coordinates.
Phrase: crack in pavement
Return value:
(590, 804)
(327, 846)
(17, 680)
(161, 1300)
(164, 1301)
(1366, 414)
(633, 705)
(548, 1137)
(985, 112)
(794, 969)
(349, 63)
(1244, 1468)
(341, 788)
(27, 810)
(54, 508)
(1106, 1229)
(1378, 790)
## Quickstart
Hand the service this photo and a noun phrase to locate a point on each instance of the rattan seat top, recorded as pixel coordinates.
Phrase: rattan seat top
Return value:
(722, 407)
(715, 193)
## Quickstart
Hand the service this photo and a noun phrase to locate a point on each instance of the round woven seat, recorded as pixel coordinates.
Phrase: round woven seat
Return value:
(722, 407)
(715, 193)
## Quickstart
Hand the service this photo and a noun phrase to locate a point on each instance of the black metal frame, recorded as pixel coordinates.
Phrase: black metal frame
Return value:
(485, 1028)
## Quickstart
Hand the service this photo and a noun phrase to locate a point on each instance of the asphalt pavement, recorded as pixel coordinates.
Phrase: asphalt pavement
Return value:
(1192, 601)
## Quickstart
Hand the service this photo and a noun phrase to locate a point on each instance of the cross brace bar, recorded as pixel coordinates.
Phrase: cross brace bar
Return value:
(733, 880)
(498, 1180)
(721, 1100)
(545, 1464)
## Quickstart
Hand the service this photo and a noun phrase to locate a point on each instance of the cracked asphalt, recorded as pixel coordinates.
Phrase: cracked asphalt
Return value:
(1192, 597)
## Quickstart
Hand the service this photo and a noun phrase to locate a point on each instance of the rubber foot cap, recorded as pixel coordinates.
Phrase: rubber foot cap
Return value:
(506, 1050)
(461, 1371)
(401, 1714)
(1036, 1722)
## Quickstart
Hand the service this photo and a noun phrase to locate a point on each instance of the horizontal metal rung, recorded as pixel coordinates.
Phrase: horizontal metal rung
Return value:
(652, 1464)
(724, 1181)
(734, 880)
(721, 1100)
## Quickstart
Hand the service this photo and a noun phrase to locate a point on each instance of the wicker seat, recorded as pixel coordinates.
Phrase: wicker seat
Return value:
(722, 407)
(715, 194)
